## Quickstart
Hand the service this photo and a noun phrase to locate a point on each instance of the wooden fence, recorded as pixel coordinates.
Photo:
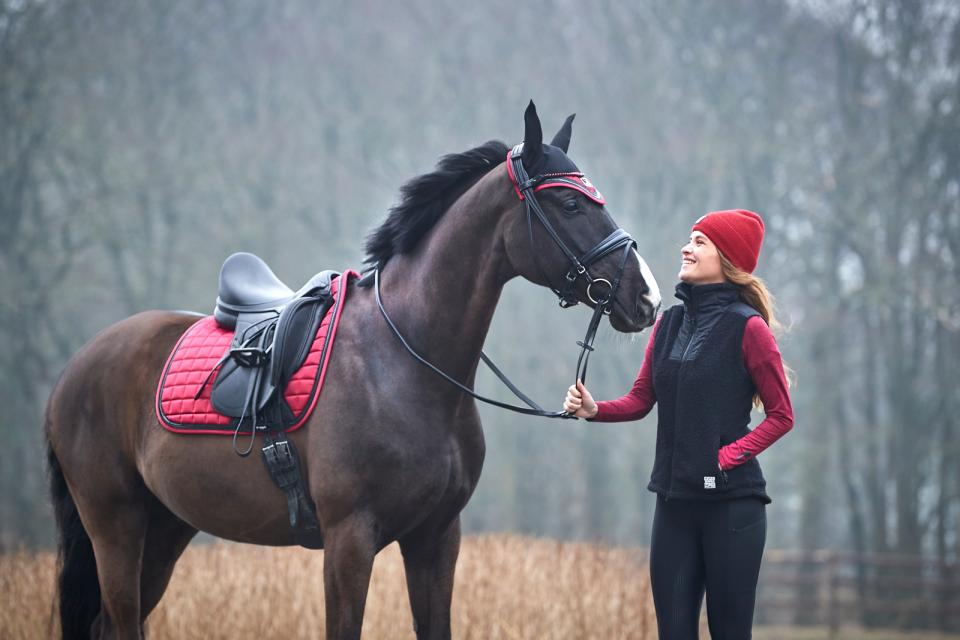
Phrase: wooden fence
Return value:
(836, 589)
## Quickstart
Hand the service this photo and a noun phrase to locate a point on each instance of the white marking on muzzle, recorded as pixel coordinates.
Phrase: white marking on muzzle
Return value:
(652, 296)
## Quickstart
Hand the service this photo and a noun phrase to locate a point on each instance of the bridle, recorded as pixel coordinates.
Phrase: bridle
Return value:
(526, 188)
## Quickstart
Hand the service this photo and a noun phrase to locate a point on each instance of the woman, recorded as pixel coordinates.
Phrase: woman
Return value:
(707, 361)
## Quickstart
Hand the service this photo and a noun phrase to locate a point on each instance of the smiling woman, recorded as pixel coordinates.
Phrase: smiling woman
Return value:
(707, 358)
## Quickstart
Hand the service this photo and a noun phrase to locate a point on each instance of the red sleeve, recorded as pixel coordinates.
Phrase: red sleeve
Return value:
(765, 365)
(640, 399)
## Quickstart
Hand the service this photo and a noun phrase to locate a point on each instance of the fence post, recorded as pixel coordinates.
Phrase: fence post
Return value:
(832, 605)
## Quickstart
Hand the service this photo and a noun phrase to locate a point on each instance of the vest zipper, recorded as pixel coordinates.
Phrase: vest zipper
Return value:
(676, 411)
(689, 342)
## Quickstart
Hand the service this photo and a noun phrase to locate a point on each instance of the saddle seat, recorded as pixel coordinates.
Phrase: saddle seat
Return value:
(248, 285)
(273, 327)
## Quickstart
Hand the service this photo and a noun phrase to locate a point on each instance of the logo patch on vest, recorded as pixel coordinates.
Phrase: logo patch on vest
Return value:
(709, 482)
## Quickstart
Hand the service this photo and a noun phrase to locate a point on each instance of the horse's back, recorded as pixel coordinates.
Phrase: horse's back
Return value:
(143, 335)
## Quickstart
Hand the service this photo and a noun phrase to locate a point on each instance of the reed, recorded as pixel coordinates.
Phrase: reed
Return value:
(507, 586)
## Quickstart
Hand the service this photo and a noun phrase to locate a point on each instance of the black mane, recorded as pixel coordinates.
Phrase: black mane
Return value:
(424, 199)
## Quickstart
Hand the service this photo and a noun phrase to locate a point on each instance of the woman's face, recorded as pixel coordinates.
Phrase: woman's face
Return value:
(700, 261)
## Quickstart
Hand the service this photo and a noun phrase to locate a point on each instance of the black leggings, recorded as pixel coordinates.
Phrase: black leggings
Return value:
(715, 545)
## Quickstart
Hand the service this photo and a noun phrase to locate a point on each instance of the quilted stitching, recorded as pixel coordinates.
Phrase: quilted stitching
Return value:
(199, 351)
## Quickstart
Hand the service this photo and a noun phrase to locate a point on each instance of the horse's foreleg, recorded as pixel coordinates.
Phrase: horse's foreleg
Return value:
(430, 561)
(349, 549)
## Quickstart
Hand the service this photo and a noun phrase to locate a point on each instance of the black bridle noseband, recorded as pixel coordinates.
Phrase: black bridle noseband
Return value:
(526, 188)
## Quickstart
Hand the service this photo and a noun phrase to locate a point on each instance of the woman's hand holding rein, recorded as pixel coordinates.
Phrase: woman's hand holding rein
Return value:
(579, 402)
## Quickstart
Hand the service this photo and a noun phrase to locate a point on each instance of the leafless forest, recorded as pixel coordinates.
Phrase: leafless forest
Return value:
(142, 142)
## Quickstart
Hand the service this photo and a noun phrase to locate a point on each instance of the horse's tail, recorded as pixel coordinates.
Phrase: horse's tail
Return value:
(78, 589)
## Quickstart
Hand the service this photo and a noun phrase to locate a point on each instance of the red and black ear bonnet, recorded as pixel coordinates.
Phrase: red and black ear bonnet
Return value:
(556, 169)
(549, 164)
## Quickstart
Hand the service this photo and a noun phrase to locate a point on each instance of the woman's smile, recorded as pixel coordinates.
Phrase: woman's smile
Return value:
(700, 262)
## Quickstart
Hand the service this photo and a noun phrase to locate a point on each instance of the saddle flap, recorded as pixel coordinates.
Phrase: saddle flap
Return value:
(243, 383)
(296, 328)
(236, 385)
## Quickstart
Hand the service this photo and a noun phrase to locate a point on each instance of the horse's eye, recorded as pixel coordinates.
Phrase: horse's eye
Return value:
(571, 206)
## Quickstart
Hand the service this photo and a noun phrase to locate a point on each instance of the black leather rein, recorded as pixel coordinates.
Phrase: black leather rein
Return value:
(579, 268)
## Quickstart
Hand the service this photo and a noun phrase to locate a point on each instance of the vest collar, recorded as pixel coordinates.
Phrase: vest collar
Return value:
(706, 298)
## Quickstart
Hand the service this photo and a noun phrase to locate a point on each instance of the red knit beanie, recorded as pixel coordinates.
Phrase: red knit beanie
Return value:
(738, 234)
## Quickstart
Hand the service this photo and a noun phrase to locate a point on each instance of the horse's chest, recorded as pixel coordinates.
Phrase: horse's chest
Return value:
(434, 482)
(448, 476)
(402, 470)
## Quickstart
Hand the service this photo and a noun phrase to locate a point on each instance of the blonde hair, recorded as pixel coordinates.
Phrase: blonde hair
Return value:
(754, 292)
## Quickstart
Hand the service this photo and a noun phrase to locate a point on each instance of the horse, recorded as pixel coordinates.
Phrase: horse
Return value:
(390, 453)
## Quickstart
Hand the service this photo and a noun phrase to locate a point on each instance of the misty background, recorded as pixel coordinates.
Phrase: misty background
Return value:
(142, 142)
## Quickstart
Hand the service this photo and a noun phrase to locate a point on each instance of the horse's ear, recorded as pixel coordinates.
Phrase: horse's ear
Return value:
(562, 139)
(532, 136)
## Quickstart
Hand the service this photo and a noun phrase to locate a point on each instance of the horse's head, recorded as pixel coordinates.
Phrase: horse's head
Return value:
(565, 239)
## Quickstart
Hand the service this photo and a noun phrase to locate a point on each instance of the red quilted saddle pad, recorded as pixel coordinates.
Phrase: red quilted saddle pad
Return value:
(197, 353)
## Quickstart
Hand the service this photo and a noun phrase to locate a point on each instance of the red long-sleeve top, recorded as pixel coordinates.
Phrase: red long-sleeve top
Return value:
(761, 356)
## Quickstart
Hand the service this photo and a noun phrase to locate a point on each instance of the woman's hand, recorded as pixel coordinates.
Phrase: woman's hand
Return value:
(579, 402)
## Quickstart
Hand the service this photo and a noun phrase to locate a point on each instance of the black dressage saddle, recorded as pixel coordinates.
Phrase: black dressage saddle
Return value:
(274, 328)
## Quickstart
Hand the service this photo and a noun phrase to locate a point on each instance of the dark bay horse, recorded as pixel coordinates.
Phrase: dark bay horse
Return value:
(391, 453)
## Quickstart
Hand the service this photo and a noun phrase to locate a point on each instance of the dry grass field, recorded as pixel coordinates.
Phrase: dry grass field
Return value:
(506, 587)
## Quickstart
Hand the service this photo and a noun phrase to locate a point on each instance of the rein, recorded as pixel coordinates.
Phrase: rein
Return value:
(619, 239)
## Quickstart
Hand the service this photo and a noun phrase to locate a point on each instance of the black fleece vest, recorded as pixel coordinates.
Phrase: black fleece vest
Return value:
(704, 395)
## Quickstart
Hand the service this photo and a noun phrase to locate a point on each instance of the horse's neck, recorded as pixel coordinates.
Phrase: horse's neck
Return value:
(445, 291)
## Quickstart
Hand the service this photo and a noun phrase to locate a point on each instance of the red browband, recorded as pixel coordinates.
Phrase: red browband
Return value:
(574, 180)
